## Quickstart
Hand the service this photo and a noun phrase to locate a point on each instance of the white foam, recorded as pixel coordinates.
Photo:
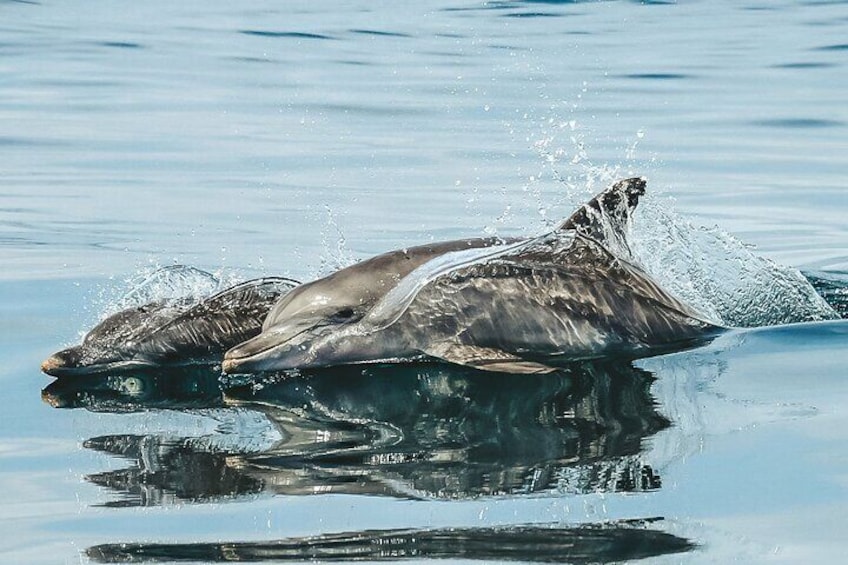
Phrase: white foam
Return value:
(719, 275)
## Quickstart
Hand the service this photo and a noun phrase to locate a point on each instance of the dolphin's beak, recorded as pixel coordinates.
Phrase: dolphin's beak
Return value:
(271, 350)
(61, 362)
(50, 364)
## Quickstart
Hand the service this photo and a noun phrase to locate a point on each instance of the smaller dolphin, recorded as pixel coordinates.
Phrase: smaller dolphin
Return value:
(571, 293)
(172, 333)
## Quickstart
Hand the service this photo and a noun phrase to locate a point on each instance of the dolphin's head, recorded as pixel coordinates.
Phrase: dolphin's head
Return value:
(313, 325)
(300, 320)
(88, 359)
(317, 346)
(110, 345)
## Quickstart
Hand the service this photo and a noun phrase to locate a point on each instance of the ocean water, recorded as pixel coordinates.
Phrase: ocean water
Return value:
(293, 138)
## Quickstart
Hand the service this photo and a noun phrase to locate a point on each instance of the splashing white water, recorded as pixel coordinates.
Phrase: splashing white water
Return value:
(706, 267)
(719, 275)
(335, 253)
(172, 283)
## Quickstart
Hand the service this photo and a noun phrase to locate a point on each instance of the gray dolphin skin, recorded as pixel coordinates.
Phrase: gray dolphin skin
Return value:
(172, 333)
(507, 306)
(346, 296)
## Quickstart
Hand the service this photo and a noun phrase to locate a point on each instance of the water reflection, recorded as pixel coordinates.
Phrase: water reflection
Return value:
(175, 388)
(592, 543)
(411, 431)
(437, 431)
(168, 471)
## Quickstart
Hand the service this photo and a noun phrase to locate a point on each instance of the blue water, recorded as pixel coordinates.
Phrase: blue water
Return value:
(290, 139)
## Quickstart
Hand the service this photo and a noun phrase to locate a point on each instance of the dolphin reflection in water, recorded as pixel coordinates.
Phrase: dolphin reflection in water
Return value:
(515, 306)
(619, 541)
(421, 430)
(408, 431)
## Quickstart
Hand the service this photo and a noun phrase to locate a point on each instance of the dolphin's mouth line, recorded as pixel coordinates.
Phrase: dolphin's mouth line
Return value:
(253, 354)
(99, 369)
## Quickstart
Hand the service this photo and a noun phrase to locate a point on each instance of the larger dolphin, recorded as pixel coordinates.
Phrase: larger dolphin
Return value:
(346, 296)
(508, 306)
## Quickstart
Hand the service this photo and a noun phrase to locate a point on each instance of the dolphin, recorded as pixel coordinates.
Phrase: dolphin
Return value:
(346, 296)
(509, 306)
(172, 332)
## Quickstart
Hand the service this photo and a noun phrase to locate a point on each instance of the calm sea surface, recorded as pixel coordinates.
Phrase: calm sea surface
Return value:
(290, 138)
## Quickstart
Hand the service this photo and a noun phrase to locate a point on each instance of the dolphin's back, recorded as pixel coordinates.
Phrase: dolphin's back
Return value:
(363, 284)
(217, 323)
(584, 303)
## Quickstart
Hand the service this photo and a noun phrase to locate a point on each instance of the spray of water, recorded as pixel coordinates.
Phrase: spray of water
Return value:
(708, 268)
(719, 275)
(335, 253)
(177, 284)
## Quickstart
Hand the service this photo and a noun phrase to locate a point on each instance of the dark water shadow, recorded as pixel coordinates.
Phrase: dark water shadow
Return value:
(188, 387)
(592, 543)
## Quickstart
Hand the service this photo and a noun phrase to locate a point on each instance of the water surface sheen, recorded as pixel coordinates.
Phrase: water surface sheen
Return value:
(290, 138)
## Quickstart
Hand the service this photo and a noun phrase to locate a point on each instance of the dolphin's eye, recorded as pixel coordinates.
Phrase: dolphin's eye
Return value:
(344, 314)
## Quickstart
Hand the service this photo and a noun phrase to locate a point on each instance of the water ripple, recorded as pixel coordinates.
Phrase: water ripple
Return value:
(286, 34)
(532, 15)
(836, 47)
(657, 76)
(798, 123)
(804, 65)
(379, 33)
(120, 44)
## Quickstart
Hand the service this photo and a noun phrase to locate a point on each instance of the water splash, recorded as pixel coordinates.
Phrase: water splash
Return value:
(335, 254)
(167, 283)
(706, 267)
(173, 283)
(719, 275)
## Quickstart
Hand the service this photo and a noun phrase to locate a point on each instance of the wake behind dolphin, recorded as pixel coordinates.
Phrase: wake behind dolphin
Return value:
(508, 307)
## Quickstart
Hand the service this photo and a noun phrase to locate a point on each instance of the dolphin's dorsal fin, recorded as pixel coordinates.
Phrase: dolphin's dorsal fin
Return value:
(605, 217)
